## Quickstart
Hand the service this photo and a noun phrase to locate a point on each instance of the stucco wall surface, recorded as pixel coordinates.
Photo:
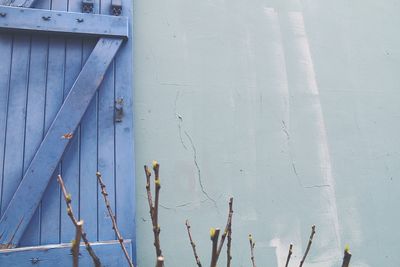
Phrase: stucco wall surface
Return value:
(289, 106)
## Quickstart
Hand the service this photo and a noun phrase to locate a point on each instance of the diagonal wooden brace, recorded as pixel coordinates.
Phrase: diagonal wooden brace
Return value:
(36, 178)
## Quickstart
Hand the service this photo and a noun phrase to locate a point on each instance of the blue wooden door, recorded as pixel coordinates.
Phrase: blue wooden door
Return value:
(64, 73)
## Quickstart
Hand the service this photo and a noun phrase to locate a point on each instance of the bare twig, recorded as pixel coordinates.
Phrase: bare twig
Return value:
(153, 208)
(149, 197)
(228, 247)
(214, 234)
(193, 244)
(67, 198)
(309, 245)
(156, 226)
(227, 227)
(346, 257)
(252, 245)
(160, 261)
(289, 255)
(76, 243)
(113, 220)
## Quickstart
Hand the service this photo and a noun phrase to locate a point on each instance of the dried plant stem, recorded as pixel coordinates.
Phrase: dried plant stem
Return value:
(289, 255)
(309, 245)
(252, 245)
(153, 208)
(214, 234)
(228, 248)
(76, 243)
(67, 198)
(160, 261)
(113, 220)
(149, 197)
(193, 244)
(227, 227)
(346, 257)
(156, 226)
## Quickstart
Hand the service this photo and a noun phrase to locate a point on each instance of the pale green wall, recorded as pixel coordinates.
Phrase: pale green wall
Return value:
(292, 107)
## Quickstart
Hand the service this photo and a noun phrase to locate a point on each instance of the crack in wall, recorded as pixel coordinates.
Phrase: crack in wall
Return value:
(180, 121)
(199, 171)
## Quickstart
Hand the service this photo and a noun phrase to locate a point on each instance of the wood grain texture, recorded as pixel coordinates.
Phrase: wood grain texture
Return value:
(55, 63)
(60, 255)
(30, 191)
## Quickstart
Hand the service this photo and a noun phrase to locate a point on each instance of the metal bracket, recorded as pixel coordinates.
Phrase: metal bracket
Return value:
(116, 7)
(87, 6)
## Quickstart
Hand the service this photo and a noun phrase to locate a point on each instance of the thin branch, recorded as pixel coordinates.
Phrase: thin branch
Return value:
(156, 226)
(346, 257)
(113, 220)
(252, 245)
(67, 198)
(193, 244)
(289, 255)
(228, 246)
(309, 245)
(149, 197)
(153, 208)
(76, 243)
(214, 234)
(227, 227)
(160, 261)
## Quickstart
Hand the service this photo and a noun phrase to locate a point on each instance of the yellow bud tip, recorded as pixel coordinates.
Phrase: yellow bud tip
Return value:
(347, 248)
(155, 163)
(212, 232)
(98, 174)
(250, 237)
(157, 182)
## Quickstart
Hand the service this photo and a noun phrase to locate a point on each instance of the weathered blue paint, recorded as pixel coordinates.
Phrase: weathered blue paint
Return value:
(61, 22)
(60, 255)
(29, 193)
(99, 143)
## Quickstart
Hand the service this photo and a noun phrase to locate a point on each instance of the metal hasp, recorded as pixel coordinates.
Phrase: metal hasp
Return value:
(119, 109)
(116, 7)
(60, 22)
(87, 6)
(26, 199)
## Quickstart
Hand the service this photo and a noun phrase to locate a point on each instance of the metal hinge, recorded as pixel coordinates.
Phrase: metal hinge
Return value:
(116, 7)
(87, 6)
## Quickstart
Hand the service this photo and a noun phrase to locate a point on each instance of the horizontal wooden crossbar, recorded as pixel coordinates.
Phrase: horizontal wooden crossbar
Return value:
(61, 22)
(109, 253)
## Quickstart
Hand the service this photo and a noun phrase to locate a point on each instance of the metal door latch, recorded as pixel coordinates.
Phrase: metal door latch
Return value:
(119, 110)
(87, 6)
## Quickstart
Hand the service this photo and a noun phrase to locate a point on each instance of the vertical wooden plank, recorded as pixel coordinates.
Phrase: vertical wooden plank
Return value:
(106, 153)
(106, 160)
(124, 156)
(70, 161)
(88, 159)
(51, 201)
(6, 41)
(15, 134)
(34, 130)
(35, 109)
(71, 158)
